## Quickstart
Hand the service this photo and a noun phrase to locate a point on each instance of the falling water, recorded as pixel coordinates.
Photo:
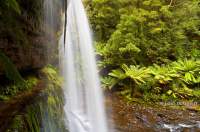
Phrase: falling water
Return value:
(49, 24)
(84, 106)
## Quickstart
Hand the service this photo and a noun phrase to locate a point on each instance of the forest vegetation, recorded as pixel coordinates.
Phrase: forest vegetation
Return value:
(148, 51)
(21, 22)
(149, 48)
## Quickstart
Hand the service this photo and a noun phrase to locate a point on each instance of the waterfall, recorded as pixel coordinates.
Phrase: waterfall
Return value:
(84, 107)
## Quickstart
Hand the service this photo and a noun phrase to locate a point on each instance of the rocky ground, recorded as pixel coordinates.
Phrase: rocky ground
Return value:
(13, 107)
(127, 117)
(137, 117)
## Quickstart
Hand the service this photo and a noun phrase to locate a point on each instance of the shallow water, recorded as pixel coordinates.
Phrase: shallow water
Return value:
(137, 117)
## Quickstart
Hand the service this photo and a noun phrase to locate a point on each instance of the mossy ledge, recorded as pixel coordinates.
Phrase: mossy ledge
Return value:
(17, 102)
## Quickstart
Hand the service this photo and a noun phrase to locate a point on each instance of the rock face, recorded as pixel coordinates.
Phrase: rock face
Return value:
(32, 56)
(40, 52)
(25, 40)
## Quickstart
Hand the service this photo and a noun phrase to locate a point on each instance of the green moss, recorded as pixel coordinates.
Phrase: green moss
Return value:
(13, 89)
(17, 124)
(28, 122)
(52, 75)
(9, 68)
(4, 98)
(32, 120)
(53, 106)
(46, 114)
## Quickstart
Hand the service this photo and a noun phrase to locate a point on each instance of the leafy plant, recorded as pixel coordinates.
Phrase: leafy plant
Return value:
(10, 5)
(10, 69)
(135, 74)
(13, 89)
(188, 69)
(109, 82)
(167, 81)
(144, 32)
(13, 4)
(132, 35)
(52, 75)
(163, 74)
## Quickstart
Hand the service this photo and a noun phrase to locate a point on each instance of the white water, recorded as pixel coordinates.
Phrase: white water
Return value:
(84, 106)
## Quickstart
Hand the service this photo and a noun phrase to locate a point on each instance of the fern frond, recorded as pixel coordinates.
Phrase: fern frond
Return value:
(11, 71)
(13, 5)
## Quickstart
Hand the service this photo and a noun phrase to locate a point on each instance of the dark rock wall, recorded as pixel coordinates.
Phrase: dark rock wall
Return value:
(26, 57)
(26, 40)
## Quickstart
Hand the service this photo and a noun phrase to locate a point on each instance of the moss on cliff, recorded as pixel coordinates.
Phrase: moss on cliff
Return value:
(46, 112)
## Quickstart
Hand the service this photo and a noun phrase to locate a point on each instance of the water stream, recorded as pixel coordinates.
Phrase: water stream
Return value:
(84, 105)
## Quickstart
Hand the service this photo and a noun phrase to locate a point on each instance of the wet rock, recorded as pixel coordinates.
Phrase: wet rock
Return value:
(11, 108)
(28, 57)
(139, 118)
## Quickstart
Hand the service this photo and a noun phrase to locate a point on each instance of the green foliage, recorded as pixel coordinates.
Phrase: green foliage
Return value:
(11, 5)
(10, 69)
(144, 32)
(132, 77)
(119, 74)
(104, 16)
(46, 112)
(162, 36)
(52, 109)
(32, 120)
(189, 70)
(163, 74)
(109, 82)
(52, 75)
(16, 124)
(178, 79)
(27, 122)
(29, 82)
(19, 20)
(166, 82)
(4, 98)
(136, 73)
(14, 89)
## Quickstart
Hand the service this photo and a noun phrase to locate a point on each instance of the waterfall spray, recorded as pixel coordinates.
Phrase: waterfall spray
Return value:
(84, 106)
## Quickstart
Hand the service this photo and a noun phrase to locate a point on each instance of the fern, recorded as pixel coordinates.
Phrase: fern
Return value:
(13, 5)
(109, 82)
(188, 69)
(183, 66)
(119, 74)
(11, 71)
(136, 73)
(163, 74)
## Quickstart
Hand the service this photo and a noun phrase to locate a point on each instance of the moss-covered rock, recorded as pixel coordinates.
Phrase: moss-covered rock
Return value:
(24, 37)
(37, 109)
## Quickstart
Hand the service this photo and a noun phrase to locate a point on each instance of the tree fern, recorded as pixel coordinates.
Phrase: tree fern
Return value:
(163, 74)
(109, 82)
(136, 73)
(188, 69)
(186, 66)
(118, 73)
